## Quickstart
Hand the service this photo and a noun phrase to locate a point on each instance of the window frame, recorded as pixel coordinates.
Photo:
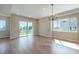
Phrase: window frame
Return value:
(69, 18)
(5, 25)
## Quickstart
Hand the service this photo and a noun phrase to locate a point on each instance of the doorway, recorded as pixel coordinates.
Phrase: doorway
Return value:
(25, 28)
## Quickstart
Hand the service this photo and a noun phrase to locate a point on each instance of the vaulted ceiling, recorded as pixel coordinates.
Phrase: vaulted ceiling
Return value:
(35, 10)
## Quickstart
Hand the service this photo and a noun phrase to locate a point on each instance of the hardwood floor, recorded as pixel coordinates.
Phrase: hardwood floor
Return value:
(37, 45)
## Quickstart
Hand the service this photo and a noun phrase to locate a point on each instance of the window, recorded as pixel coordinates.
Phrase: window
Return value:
(2, 25)
(73, 24)
(56, 25)
(65, 25)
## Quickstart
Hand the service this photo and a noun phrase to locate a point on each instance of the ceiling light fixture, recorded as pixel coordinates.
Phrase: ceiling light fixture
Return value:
(53, 17)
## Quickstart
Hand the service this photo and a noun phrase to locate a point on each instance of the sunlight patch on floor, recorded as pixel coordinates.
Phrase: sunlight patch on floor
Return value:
(67, 44)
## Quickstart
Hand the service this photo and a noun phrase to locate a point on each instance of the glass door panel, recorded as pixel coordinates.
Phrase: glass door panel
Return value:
(30, 28)
(23, 27)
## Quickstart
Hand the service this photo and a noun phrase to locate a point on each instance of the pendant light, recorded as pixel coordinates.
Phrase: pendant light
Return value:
(52, 12)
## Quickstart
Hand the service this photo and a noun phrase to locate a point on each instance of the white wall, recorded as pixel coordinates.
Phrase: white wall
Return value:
(7, 32)
(14, 27)
(45, 27)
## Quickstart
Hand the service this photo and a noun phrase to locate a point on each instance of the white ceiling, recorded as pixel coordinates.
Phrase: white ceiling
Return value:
(5, 9)
(59, 8)
(35, 10)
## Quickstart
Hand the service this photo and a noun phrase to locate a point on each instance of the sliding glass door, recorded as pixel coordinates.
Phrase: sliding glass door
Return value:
(30, 28)
(25, 28)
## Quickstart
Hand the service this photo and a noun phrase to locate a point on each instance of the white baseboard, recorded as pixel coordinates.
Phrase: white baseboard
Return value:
(46, 36)
(5, 37)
